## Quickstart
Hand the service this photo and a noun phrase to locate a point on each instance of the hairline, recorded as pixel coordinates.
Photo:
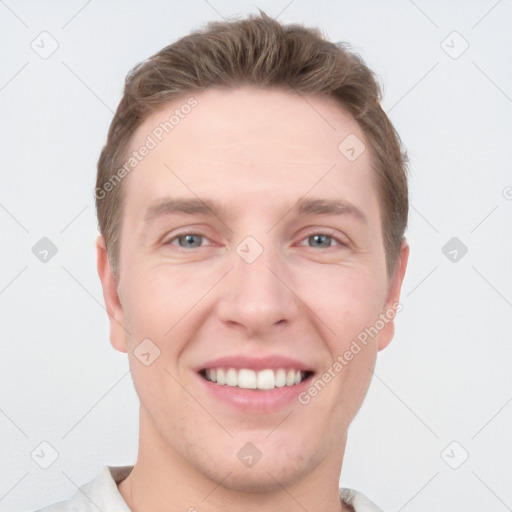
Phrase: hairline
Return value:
(391, 259)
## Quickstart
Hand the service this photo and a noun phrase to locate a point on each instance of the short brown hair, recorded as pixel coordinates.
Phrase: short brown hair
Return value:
(259, 51)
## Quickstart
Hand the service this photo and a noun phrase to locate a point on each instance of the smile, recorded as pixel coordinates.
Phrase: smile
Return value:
(263, 380)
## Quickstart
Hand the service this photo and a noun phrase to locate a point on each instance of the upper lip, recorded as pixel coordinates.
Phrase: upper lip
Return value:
(255, 363)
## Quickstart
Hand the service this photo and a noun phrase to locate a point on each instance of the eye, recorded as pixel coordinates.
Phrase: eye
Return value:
(322, 240)
(188, 240)
(194, 240)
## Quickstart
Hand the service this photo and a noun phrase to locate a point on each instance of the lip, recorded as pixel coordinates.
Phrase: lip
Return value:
(255, 363)
(252, 400)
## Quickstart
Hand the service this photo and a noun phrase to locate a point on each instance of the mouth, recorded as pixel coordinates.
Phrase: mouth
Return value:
(255, 380)
(254, 384)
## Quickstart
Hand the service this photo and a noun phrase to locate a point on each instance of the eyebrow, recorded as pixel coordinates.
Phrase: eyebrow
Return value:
(172, 206)
(329, 207)
(176, 206)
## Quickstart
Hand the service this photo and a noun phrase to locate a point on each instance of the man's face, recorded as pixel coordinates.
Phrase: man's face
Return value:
(259, 285)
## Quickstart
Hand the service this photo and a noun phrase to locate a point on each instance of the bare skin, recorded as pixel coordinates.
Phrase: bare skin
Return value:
(257, 152)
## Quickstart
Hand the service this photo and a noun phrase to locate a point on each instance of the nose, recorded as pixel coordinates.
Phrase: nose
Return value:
(257, 297)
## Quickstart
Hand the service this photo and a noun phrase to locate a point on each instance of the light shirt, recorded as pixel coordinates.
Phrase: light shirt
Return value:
(102, 493)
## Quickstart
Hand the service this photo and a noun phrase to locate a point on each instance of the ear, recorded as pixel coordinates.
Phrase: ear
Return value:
(393, 297)
(110, 284)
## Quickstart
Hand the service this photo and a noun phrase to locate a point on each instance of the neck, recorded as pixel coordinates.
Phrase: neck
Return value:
(162, 480)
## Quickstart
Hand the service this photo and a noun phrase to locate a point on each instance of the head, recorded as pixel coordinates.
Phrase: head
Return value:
(252, 202)
(261, 52)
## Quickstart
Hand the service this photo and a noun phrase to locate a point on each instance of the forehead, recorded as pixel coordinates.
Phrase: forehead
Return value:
(249, 141)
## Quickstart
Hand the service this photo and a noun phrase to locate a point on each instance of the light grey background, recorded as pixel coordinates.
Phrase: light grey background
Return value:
(446, 375)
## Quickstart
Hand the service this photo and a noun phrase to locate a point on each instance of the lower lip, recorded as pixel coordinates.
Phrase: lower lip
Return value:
(255, 400)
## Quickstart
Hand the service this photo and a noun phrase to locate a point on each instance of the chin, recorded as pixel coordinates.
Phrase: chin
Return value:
(268, 475)
(266, 479)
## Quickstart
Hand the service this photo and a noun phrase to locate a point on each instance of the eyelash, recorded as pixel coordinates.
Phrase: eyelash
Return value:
(326, 233)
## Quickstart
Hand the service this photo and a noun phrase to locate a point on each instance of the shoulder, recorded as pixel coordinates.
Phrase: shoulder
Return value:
(100, 493)
(358, 501)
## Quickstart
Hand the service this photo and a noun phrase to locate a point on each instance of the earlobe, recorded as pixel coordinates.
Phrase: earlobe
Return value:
(392, 306)
(109, 284)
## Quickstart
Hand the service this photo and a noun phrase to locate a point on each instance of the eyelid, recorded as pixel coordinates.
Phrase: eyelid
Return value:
(315, 231)
(185, 233)
(328, 232)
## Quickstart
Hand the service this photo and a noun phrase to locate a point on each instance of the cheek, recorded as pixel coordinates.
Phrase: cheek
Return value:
(157, 296)
(155, 306)
(161, 304)
(344, 301)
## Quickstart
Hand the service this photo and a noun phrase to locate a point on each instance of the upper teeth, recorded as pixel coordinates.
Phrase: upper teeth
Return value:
(250, 379)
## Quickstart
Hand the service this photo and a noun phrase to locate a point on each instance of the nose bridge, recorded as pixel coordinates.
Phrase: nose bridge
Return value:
(252, 269)
(255, 295)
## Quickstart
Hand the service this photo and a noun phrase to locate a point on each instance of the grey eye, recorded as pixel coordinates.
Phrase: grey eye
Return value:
(320, 240)
(190, 240)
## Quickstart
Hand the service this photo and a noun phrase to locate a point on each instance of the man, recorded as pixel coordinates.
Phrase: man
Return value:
(252, 202)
